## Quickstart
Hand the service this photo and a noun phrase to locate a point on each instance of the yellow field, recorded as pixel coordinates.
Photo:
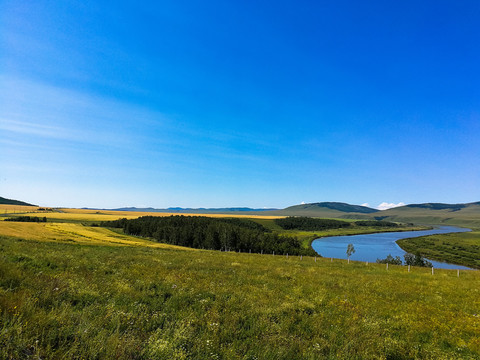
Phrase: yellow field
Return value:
(65, 232)
(102, 215)
(16, 208)
(135, 214)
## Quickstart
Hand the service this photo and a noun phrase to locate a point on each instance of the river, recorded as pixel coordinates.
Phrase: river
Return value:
(370, 247)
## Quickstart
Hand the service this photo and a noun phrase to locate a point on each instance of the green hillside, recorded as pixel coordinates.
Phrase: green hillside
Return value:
(5, 201)
(322, 209)
(434, 213)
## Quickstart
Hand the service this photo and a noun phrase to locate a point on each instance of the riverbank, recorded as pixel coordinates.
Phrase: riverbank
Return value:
(455, 248)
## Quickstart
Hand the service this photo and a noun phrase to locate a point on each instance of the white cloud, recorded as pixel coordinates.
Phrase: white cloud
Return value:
(302, 203)
(384, 205)
(366, 204)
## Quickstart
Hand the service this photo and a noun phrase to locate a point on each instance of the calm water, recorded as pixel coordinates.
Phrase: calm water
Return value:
(370, 247)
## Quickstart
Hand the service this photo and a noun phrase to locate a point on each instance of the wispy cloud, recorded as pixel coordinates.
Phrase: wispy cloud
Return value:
(41, 110)
(384, 205)
(30, 128)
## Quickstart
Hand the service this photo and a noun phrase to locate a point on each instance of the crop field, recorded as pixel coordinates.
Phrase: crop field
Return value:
(13, 209)
(91, 216)
(73, 291)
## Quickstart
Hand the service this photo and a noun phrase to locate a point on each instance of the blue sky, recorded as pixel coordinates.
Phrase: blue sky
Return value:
(239, 103)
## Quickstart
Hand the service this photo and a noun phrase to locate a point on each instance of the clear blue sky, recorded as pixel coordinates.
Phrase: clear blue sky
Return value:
(239, 103)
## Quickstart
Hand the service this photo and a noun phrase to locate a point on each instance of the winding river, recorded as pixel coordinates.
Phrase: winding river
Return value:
(370, 247)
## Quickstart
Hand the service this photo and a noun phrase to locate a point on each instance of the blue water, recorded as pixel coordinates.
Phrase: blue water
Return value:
(370, 247)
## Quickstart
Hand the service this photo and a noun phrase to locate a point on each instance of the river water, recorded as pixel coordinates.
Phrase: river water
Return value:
(370, 247)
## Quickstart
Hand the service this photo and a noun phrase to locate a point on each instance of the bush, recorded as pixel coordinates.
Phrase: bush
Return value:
(390, 260)
(416, 260)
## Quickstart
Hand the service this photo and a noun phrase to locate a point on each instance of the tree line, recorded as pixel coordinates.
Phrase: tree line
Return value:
(212, 233)
(27, 219)
(312, 224)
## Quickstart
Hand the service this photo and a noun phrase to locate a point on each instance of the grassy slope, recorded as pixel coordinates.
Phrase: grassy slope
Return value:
(468, 216)
(5, 201)
(456, 248)
(61, 300)
(73, 291)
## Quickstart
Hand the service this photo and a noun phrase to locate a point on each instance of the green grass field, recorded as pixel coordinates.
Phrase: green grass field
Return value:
(456, 248)
(69, 291)
(78, 300)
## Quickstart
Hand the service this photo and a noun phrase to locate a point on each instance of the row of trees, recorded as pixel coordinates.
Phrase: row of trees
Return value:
(312, 224)
(376, 223)
(27, 219)
(211, 233)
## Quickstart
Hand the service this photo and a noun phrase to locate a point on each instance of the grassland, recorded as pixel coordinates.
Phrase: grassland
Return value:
(455, 248)
(469, 216)
(74, 291)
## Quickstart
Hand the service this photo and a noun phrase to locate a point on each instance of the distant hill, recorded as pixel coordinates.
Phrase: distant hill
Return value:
(323, 209)
(5, 201)
(434, 213)
(427, 213)
(195, 210)
(343, 207)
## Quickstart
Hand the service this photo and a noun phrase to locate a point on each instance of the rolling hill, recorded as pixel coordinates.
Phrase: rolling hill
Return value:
(434, 213)
(324, 209)
(5, 201)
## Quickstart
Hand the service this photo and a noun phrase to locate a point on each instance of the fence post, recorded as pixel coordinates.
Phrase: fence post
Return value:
(287, 255)
(274, 253)
(262, 252)
(315, 259)
(367, 263)
(408, 268)
(432, 270)
(331, 259)
(301, 257)
(387, 266)
(458, 272)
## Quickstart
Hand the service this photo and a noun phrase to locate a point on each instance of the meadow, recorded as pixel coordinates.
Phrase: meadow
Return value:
(70, 291)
